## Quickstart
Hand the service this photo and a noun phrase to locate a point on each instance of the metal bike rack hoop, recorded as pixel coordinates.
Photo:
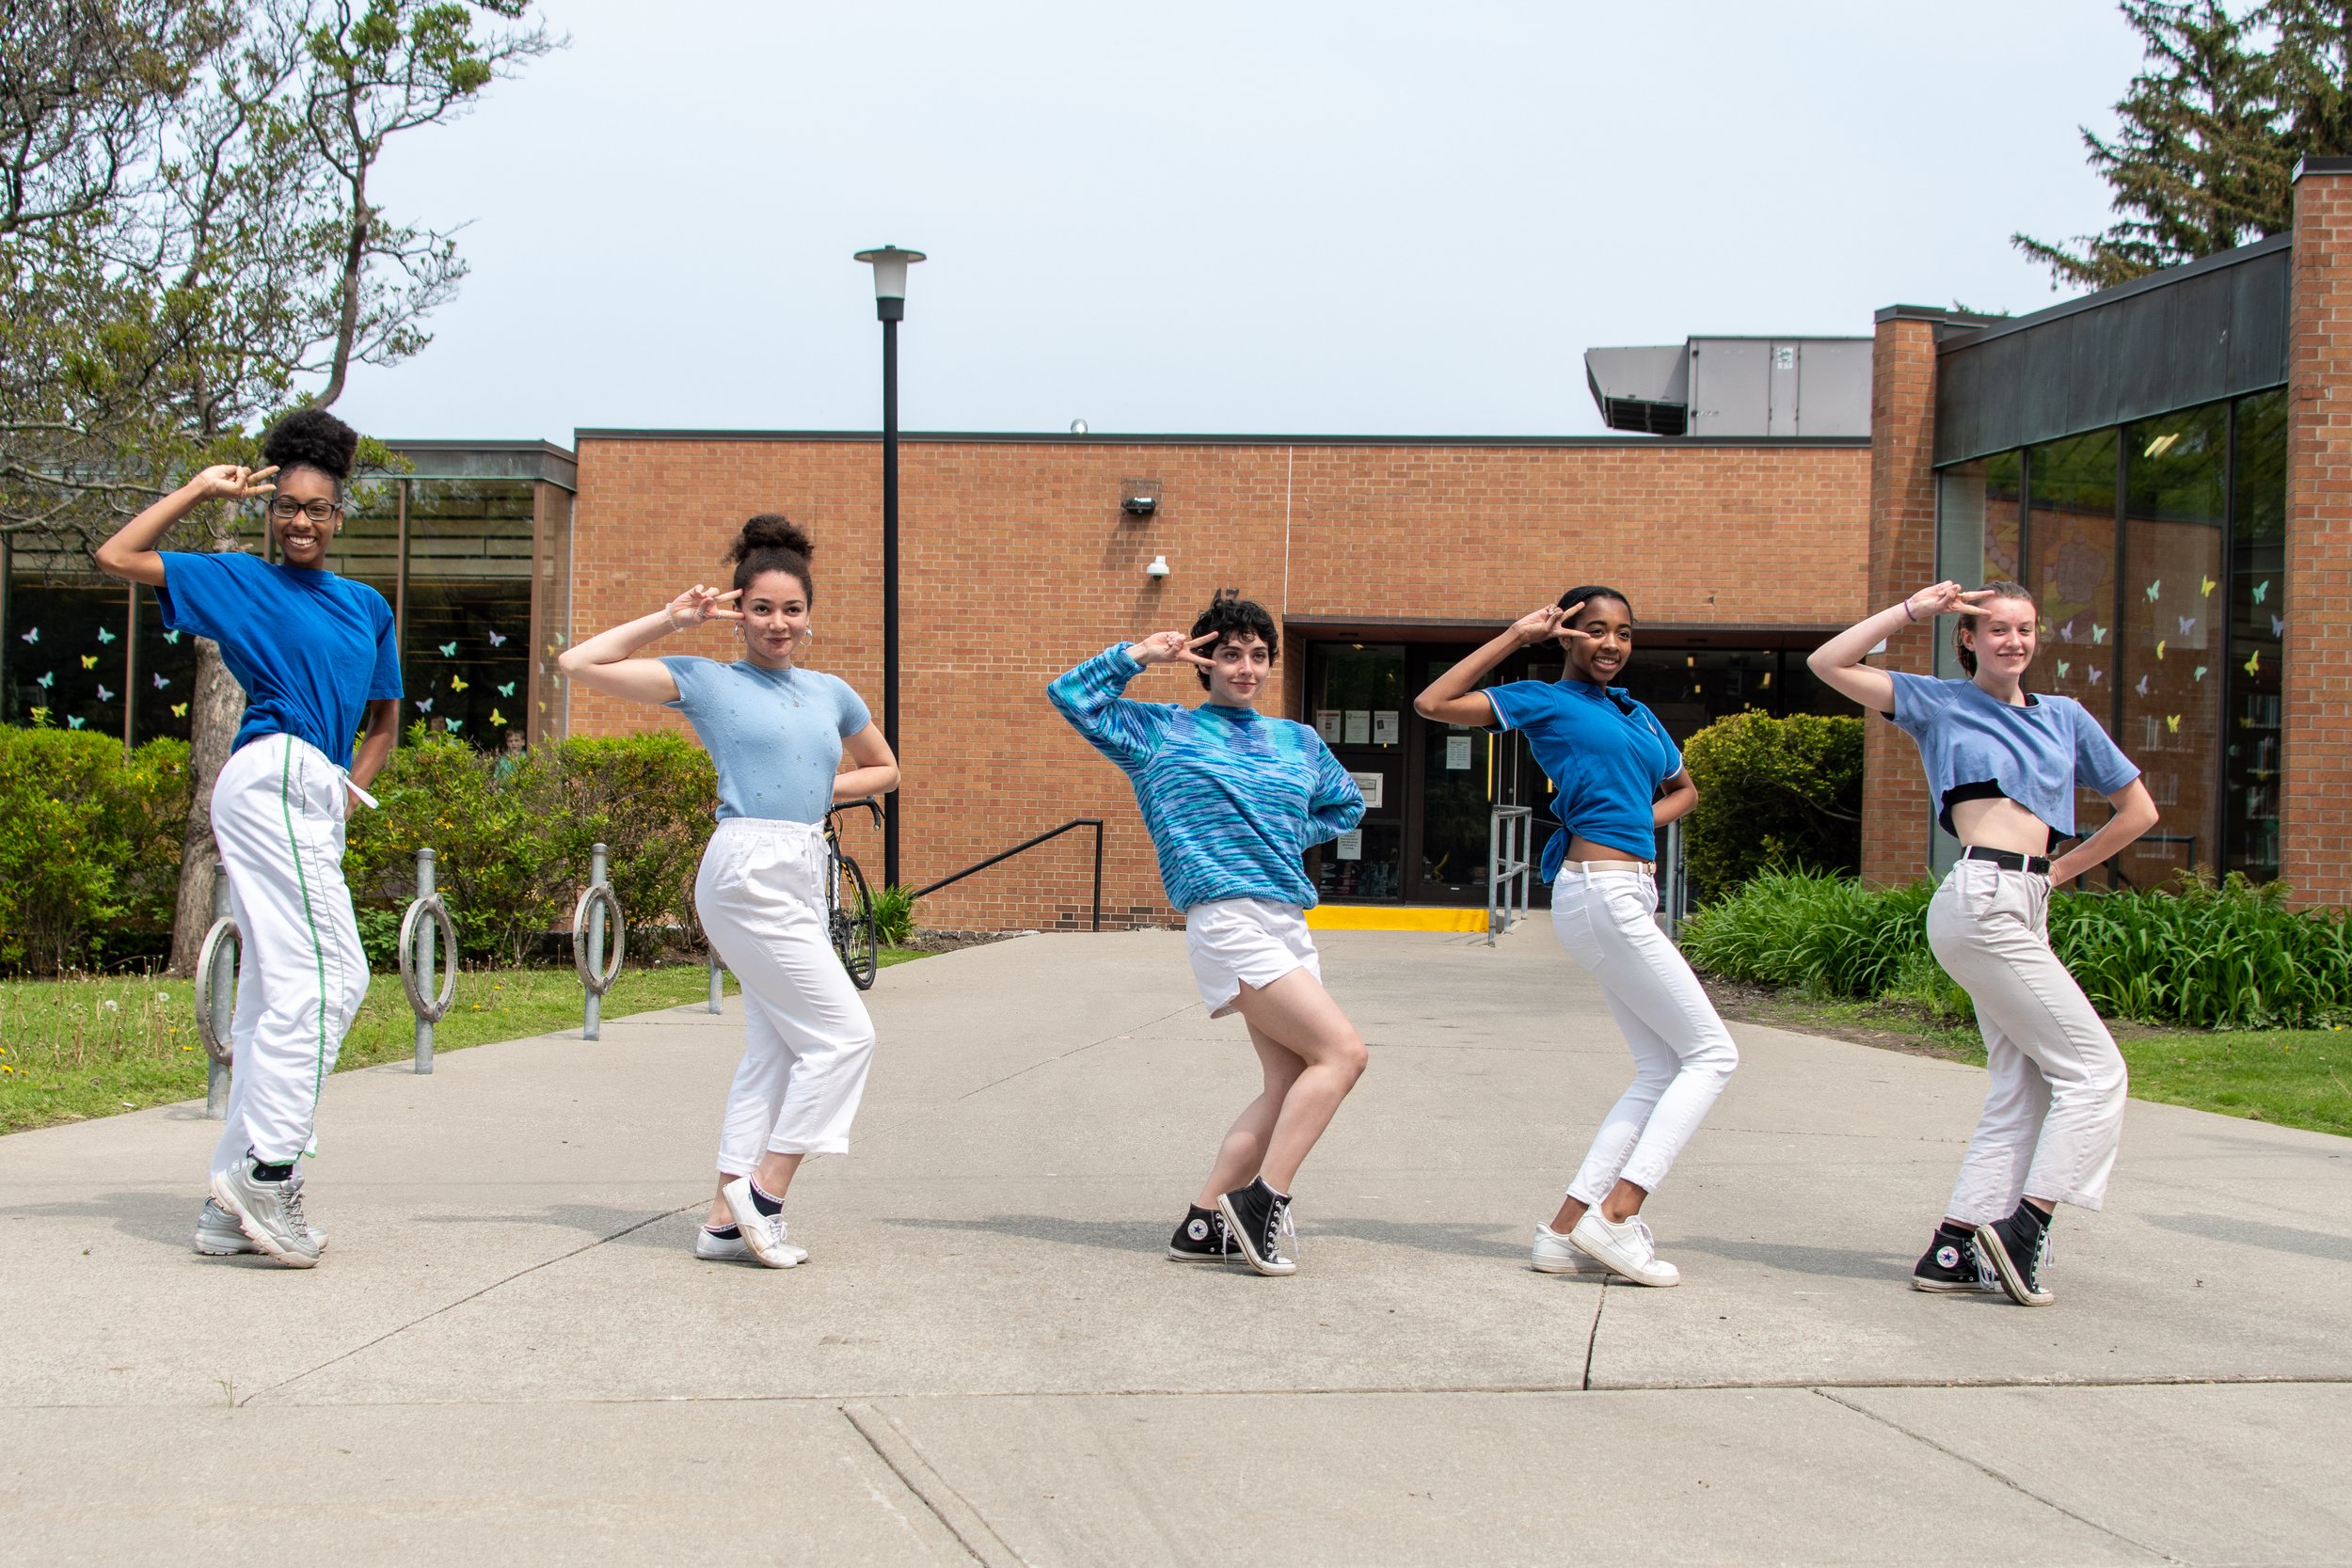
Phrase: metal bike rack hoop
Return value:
(223, 930)
(602, 892)
(428, 908)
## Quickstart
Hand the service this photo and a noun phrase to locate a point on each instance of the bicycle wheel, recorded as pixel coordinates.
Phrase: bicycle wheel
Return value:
(853, 920)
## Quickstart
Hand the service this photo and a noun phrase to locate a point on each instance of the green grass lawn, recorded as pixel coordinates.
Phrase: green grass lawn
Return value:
(2293, 1077)
(70, 1050)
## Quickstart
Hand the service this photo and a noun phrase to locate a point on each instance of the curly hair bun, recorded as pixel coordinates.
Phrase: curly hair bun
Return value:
(312, 438)
(772, 531)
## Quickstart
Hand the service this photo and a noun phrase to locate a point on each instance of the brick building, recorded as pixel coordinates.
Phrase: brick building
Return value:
(2167, 465)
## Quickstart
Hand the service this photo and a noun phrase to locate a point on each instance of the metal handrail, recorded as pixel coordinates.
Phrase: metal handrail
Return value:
(1505, 826)
(1673, 882)
(1094, 823)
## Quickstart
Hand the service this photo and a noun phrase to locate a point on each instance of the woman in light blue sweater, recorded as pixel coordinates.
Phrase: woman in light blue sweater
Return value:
(1232, 798)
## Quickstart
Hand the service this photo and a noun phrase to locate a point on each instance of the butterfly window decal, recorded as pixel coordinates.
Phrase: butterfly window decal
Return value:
(2094, 672)
(2262, 590)
(2098, 633)
(449, 650)
(104, 696)
(2173, 723)
(32, 635)
(172, 637)
(46, 679)
(2063, 667)
(178, 711)
(2209, 586)
(2278, 626)
(457, 683)
(161, 681)
(498, 720)
(2188, 623)
(454, 724)
(424, 705)
(2254, 663)
(498, 640)
(2142, 687)
(90, 661)
(2066, 632)
(507, 688)
(2154, 589)
(104, 637)
(2159, 647)
(2198, 674)
(75, 721)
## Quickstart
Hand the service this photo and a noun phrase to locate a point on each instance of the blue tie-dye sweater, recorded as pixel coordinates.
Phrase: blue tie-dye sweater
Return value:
(1231, 796)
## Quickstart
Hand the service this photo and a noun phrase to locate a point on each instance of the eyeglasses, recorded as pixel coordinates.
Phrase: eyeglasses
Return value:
(285, 508)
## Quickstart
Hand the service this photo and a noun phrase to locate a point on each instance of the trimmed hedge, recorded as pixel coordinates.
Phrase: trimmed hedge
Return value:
(1775, 795)
(2230, 955)
(90, 841)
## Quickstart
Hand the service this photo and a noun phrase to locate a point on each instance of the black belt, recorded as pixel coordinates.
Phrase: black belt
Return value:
(2009, 859)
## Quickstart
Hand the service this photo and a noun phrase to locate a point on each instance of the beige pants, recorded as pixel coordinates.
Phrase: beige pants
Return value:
(2054, 1115)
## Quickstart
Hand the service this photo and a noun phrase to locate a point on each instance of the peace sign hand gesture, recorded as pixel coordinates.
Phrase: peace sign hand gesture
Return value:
(232, 481)
(1948, 598)
(1171, 647)
(1540, 625)
(701, 603)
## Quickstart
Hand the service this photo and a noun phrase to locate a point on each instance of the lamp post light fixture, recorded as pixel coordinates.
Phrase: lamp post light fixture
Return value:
(890, 265)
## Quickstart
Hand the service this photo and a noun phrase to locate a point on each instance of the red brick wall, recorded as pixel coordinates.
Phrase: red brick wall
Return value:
(1901, 561)
(2315, 829)
(1017, 562)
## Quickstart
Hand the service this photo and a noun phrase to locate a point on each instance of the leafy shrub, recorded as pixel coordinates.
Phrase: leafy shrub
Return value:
(1774, 794)
(90, 847)
(894, 915)
(2230, 955)
(649, 799)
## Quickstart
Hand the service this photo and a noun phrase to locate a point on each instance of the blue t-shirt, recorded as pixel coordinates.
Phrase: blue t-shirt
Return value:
(1605, 754)
(311, 649)
(774, 734)
(2037, 753)
(1229, 797)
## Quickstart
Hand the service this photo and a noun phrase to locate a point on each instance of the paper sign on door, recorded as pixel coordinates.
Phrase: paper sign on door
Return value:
(1370, 783)
(1457, 753)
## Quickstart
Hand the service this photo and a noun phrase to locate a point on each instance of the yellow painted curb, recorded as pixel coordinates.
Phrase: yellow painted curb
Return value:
(1390, 917)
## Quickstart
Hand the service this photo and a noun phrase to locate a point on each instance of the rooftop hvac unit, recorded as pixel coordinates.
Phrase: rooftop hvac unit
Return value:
(1735, 387)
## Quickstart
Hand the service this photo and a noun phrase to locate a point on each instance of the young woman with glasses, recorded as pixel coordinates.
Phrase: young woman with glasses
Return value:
(317, 657)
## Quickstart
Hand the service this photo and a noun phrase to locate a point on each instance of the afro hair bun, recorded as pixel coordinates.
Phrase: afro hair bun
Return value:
(312, 438)
(772, 531)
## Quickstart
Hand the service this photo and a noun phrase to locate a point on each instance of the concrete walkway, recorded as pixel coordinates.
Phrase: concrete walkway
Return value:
(511, 1354)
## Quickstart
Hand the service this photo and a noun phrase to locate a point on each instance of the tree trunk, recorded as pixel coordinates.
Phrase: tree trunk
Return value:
(215, 711)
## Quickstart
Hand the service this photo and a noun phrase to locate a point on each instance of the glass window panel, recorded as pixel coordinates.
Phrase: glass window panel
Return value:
(2252, 664)
(68, 661)
(2172, 675)
(163, 677)
(466, 658)
(2069, 538)
(2004, 518)
(1349, 686)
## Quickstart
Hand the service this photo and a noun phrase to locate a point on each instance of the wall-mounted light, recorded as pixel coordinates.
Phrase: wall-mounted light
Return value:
(1158, 568)
(1140, 498)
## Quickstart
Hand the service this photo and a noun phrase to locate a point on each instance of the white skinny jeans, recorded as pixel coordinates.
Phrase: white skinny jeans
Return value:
(1682, 1053)
(277, 817)
(2053, 1116)
(808, 1038)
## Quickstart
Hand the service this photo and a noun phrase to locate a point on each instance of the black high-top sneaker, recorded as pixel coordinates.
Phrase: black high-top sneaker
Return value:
(1952, 1263)
(1203, 1239)
(2018, 1249)
(1259, 1219)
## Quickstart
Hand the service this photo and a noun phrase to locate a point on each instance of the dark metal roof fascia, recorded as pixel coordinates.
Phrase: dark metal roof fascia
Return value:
(1101, 439)
(533, 460)
(2004, 325)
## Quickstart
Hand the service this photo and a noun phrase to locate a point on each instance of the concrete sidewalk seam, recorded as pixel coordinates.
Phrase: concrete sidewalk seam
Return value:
(896, 1449)
(1592, 1335)
(1990, 1473)
(471, 1296)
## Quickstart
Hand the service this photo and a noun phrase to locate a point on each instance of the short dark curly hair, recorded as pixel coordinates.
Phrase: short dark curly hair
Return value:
(1234, 621)
(313, 438)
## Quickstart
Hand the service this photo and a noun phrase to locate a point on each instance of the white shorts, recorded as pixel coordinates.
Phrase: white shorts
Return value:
(1234, 942)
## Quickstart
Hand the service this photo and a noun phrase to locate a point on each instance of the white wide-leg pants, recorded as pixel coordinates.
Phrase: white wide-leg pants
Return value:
(2053, 1116)
(808, 1040)
(277, 817)
(1682, 1055)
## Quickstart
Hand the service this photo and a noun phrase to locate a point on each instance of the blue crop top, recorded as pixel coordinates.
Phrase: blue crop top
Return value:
(2036, 754)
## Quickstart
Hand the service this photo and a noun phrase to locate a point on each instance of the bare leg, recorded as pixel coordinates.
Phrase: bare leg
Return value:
(1297, 1014)
(774, 1176)
(1624, 1201)
(1244, 1150)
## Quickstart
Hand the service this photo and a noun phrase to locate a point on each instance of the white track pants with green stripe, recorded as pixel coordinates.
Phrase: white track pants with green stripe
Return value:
(277, 815)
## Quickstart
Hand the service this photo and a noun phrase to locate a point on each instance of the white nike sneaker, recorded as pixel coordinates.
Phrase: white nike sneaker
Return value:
(218, 1235)
(763, 1235)
(730, 1249)
(1553, 1255)
(1627, 1250)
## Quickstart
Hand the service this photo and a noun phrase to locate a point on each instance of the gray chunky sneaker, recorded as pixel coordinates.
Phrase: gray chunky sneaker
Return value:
(269, 1213)
(218, 1236)
(764, 1234)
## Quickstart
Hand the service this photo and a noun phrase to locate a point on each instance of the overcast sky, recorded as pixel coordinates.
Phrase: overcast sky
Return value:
(1301, 217)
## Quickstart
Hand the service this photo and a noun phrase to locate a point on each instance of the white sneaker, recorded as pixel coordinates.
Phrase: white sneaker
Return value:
(1626, 1250)
(763, 1235)
(1553, 1255)
(730, 1249)
(218, 1235)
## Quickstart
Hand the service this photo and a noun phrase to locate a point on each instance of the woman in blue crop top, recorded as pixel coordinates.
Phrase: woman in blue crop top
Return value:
(1618, 779)
(2002, 770)
(777, 733)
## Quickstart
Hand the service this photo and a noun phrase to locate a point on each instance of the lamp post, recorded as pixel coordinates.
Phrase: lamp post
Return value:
(890, 265)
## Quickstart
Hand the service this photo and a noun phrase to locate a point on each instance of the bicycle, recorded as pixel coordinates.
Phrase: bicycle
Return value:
(850, 903)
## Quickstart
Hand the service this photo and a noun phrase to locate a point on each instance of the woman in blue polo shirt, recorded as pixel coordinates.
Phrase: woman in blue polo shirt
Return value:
(316, 655)
(2002, 769)
(1619, 779)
